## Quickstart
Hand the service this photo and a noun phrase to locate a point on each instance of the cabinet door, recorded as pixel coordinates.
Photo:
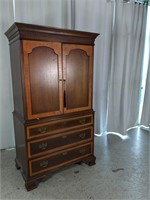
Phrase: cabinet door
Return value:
(77, 76)
(42, 72)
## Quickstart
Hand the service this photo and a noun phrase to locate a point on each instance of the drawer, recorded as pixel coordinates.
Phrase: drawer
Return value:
(56, 160)
(57, 126)
(59, 141)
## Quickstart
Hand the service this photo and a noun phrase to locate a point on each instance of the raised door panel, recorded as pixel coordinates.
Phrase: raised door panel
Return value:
(77, 76)
(42, 72)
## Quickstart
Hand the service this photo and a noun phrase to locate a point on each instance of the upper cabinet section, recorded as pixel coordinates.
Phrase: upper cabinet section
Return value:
(57, 78)
(52, 69)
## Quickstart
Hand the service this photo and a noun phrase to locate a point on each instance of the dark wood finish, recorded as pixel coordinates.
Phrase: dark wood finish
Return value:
(52, 73)
(42, 72)
(21, 148)
(58, 159)
(59, 125)
(16, 63)
(59, 141)
(77, 65)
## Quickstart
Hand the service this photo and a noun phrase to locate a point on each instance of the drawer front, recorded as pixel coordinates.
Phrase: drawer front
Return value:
(59, 141)
(56, 126)
(59, 159)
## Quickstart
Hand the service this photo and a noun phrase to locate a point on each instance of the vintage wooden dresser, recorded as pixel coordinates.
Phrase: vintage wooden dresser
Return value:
(52, 75)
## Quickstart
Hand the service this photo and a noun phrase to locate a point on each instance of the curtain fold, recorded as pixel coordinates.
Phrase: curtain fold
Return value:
(55, 13)
(126, 66)
(6, 99)
(118, 60)
(98, 21)
(45, 12)
(145, 120)
(118, 56)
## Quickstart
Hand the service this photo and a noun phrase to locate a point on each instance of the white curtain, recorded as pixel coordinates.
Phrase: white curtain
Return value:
(96, 16)
(145, 120)
(126, 66)
(45, 12)
(118, 59)
(6, 99)
(118, 55)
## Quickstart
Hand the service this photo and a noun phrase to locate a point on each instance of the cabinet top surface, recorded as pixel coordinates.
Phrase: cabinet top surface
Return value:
(22, 31)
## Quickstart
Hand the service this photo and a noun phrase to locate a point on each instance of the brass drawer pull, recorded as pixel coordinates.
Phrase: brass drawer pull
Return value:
(44, 163)
(82, 151)
(42, 130)
(43, 145)
(64, 136)
(82, 121)
(82, 135)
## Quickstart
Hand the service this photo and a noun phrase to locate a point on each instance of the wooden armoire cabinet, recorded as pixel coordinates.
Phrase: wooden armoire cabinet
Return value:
(52, 75)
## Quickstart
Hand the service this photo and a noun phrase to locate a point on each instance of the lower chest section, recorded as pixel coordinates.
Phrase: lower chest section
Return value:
(57, 143)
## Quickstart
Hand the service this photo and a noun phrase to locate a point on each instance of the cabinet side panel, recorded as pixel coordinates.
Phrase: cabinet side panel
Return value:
(15, 56)
(21, 150)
